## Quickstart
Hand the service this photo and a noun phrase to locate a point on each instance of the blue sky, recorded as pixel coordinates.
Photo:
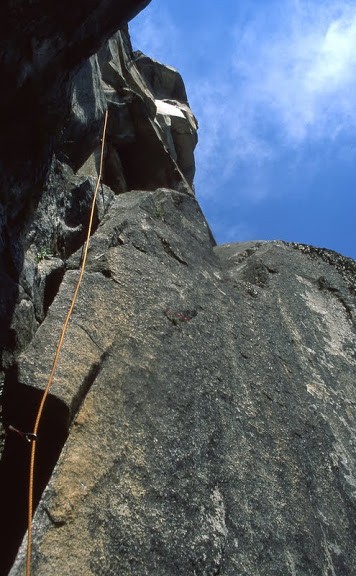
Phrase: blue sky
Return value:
(273, 85)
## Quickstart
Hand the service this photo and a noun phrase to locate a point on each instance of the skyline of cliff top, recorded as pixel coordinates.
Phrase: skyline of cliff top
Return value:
(272, 87)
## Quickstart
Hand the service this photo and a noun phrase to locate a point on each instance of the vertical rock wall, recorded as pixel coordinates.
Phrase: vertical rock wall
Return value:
(47, 185)
(202, 417)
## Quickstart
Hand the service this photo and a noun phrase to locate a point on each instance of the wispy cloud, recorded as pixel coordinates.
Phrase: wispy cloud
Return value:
(301, 71)
(285, 78)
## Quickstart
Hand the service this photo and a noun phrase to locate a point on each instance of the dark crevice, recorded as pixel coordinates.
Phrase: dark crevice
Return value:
(53, 283)
(324, 284)
(75, 231)
(86, 385)
(167, 248)
(106, 272)
(90, 337)
(118, 282)
(272, 270)
(54, 521)
(20, 405)
(140, 248)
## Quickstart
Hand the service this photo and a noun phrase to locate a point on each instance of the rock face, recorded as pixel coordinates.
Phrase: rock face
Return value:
(202, 417)
(45, 215)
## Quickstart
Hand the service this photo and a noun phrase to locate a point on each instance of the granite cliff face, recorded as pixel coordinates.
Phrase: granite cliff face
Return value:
(202, 417)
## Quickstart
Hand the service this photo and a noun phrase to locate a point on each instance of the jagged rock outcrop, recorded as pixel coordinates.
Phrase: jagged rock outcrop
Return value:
(202, 417)
(43, 49)
(147, 147)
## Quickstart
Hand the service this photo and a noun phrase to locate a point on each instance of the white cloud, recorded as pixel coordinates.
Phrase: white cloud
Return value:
(285, 78)
(301, 70)
(226, 137)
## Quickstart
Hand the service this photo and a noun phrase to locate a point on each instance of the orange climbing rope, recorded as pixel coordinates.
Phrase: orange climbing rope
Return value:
(32, 437)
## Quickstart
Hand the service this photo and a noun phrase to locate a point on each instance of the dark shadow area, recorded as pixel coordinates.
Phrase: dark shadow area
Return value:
(19, 410)
(76, 214)
(8, 298)
(42, 45)
(139, 162)
(52, 285)
(146, 163)
(11, 264)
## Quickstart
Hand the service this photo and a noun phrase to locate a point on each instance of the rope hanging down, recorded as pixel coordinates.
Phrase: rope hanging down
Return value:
(32, 436)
